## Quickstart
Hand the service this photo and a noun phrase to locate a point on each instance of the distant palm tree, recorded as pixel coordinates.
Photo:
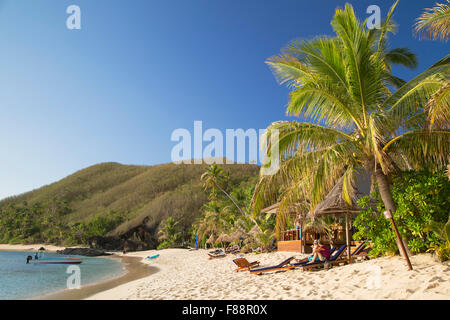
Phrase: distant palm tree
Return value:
(214, 179)
(435, 21)
(353, 121)
(169, 231)
(212, 222)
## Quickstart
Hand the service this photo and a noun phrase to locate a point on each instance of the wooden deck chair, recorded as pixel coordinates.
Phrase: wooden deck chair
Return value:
(355, 252)
(244, 265)
(213, 255)
(360, 252)
(284, 265)
(363, 254)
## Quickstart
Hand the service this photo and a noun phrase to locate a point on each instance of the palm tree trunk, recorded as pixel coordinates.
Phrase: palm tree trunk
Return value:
(389, 204)
(385, 191)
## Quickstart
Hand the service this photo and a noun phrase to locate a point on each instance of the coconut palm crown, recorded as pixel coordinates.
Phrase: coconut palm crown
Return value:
(355, 115)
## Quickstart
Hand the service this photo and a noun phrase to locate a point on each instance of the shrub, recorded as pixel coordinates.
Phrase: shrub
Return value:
(421, 198)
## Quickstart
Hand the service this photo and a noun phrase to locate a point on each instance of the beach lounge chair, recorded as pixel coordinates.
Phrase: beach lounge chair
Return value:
(244, 265)
(233, 250)
(216, 254)
(336, 258)
(360, 252)
(363, 254)
(284, 265)
(357, 250)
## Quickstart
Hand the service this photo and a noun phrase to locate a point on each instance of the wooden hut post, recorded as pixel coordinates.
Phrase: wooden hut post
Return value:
(302, 237)
(347, 235)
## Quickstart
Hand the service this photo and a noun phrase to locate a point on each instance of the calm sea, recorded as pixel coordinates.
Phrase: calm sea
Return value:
(19, 280)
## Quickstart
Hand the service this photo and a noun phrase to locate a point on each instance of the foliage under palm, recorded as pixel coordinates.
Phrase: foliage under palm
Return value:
(442, 231)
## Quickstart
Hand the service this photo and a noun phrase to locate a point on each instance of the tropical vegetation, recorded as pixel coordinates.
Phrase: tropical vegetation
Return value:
(227, 217)
(356, 117)
(422, 200)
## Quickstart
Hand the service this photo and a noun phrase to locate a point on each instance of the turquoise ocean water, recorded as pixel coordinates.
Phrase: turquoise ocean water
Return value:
(19, 280)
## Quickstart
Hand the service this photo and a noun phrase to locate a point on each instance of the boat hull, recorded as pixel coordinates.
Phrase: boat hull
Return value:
(60, 262)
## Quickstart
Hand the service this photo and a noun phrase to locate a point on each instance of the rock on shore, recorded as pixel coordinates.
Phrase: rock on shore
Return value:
(88, 252)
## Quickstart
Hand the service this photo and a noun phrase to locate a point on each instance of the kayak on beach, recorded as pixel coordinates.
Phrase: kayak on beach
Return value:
(153, 257)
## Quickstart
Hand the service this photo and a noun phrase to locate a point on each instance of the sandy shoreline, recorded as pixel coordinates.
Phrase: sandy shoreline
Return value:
(185, 274)
(134, 270)
(30, 247)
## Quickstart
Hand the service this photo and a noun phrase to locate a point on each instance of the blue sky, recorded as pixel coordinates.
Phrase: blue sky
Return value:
(138, 69)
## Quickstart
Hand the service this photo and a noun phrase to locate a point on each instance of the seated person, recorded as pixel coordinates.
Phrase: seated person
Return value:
(320, 253)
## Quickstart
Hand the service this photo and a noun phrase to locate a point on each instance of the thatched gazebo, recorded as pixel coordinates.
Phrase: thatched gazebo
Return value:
(254, 231)
(224, 238)
(238, 235)
(297, 209)
(313, 228)
(211, 240)
(334, 203)
(292, 209)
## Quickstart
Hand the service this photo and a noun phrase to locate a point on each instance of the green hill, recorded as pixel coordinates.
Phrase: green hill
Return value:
(109, 204)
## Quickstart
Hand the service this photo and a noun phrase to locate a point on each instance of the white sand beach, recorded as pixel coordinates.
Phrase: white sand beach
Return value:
(30, 247)
(185, 274)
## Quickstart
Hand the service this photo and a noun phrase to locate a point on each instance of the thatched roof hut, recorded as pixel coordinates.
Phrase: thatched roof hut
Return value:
(238, 235)
(334, 202)
(292, 209)
(224, 238)
(254, 231)
(211, 239)
(315, 228)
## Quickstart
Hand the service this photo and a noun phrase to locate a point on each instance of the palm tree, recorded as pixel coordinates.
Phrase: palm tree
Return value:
(435, 21)
(213, 221)
(354, 118)
(169, 231)
(214, 179)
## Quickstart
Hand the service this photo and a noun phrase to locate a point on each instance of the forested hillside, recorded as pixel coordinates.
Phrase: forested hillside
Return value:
(109, 204)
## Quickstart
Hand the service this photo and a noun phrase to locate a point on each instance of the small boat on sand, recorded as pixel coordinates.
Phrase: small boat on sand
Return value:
(58, 261)
(40, 259)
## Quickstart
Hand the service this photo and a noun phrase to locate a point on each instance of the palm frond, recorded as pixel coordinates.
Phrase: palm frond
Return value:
(415, 94)
(438, 108)
(288, 69)
(402, 56)
(435, 22)
(322, 55)
(423, 149)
